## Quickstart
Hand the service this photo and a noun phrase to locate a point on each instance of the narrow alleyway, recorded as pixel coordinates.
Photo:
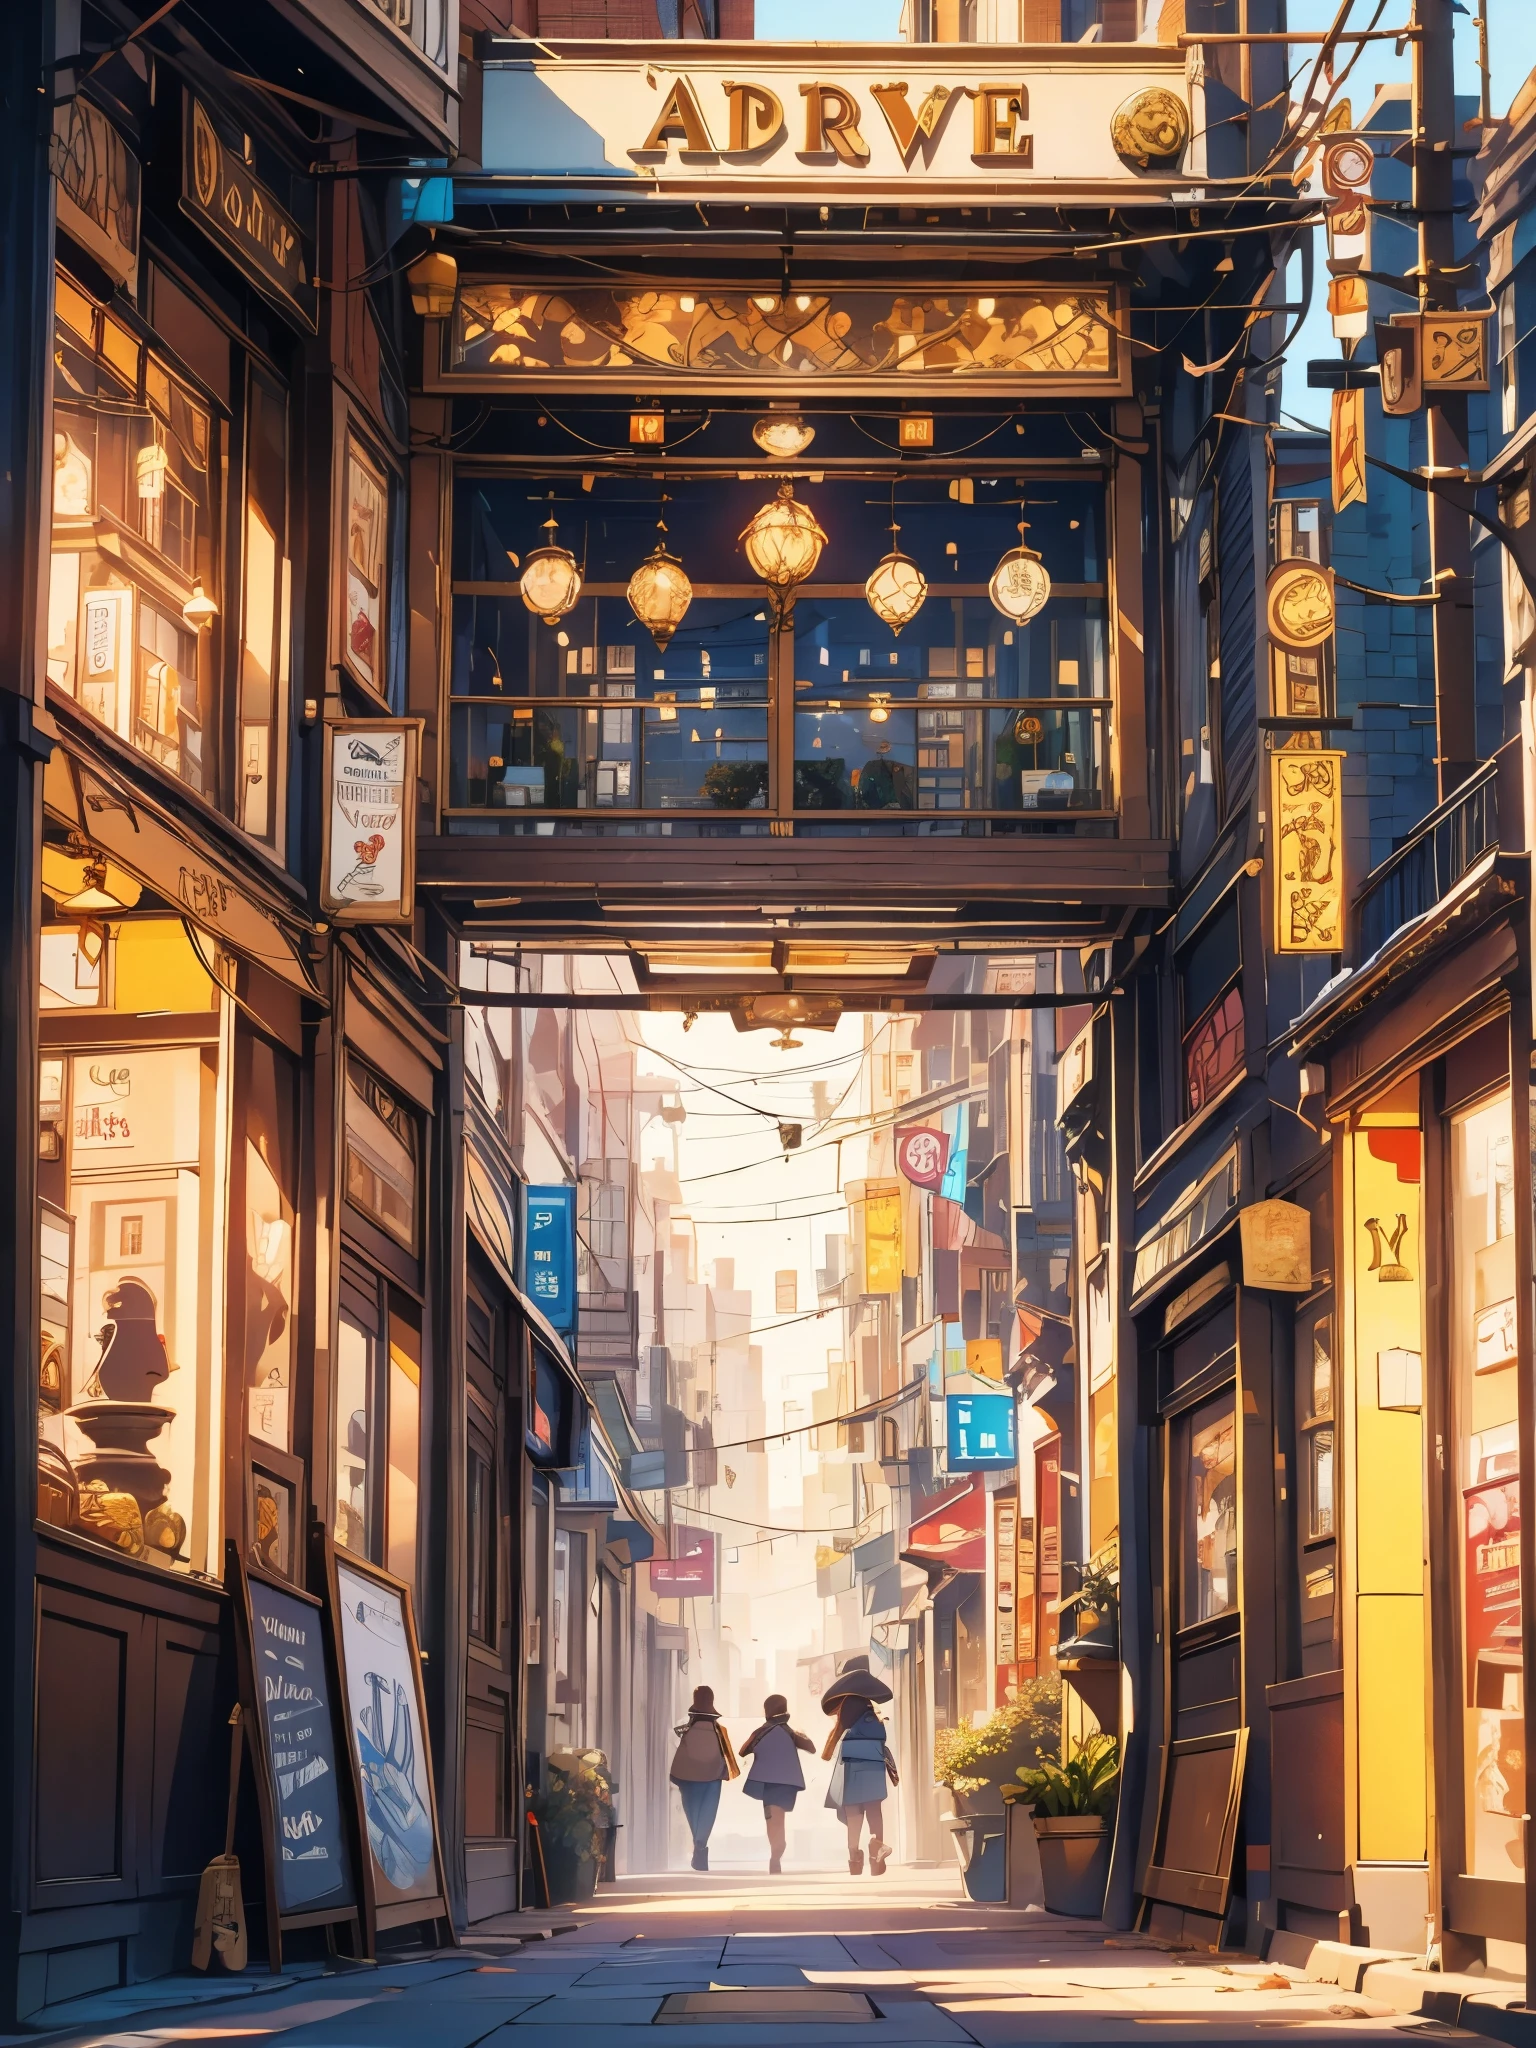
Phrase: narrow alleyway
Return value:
(740, 1960)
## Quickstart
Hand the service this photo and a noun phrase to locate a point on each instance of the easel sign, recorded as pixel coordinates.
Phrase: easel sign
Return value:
(296, 1755)
(391, 1761)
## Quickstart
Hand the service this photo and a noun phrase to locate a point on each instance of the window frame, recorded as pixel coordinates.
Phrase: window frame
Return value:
(384, 688)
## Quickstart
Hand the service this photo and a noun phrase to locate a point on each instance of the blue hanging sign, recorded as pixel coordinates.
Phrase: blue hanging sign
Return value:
(549, 1253)
(981, 1432)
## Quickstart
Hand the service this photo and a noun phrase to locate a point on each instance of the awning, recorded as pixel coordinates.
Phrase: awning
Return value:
(207, 891)
(952, 1530)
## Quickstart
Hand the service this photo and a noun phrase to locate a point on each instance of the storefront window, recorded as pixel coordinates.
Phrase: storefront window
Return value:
(125, 1414)
(133, 592)
(378, 1403)
(264, 611)
(382, 1146)
(1210, 1510)
(1211, 1001)
(1483, 1355)
(271, 1180)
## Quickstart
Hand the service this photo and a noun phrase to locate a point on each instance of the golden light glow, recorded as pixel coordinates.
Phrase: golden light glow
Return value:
(551, 580)
(783, 543)
(783, 434)
(660, 594)
(896, 588)
(1020, 584)
(433, 279)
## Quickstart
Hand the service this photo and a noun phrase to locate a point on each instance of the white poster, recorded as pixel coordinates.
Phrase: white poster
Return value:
(369, 841)
(385, 1728)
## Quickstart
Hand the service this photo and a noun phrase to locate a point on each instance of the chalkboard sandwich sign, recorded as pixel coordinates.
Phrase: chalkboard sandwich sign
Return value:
(303, 1782)
(403, 1879)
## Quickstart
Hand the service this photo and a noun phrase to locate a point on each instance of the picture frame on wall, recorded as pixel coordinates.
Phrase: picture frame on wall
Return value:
(274, 1536)
(389, 1754)
(368, 861)
(288, 1678)
(364, 558)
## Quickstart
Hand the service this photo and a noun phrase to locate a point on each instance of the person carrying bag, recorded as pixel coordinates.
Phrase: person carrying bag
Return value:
(701, 1764)
(864, 1763)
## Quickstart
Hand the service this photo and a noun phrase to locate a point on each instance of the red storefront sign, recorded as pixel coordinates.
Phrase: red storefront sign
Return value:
(954, 1532)
(922, 1153)
(689, 1573)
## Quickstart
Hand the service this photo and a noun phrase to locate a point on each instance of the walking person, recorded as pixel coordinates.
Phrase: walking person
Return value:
(863, 1764)
(701, 1764)
(776, 1777)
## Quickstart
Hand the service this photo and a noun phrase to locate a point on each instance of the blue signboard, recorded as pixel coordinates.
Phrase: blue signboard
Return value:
(549, 1253)
(981, 1432)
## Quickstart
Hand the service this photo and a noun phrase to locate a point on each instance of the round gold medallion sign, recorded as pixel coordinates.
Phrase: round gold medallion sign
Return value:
(1300, 605)
(1151, 127)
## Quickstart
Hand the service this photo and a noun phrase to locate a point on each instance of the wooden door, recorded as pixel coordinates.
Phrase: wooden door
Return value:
(491, 1852)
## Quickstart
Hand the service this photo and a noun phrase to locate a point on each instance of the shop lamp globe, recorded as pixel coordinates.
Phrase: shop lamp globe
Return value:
(433, 279)
(1021, 583)
(783, 434)
(660, 593)
(551, 581)
(897, 587)
(199, 609)
(783, 542)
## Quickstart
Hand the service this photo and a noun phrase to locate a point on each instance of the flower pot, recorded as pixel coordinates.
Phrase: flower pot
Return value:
(572, 1878)
(1074, 1862)
(978, 1841)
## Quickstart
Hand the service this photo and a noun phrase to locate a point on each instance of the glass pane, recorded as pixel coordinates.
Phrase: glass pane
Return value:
(720, 652)
(1483, 1351)
(1320, 1495)
(404, 1479)
(477, 1516)
(381, 1155)
(871, 755)
(1210, 1510)
(956, 649)
(271, 1186)
(262, 620)
(354, 1407)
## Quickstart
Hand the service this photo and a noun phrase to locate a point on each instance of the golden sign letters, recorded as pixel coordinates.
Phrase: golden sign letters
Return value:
(757, 122)
(1306, 818)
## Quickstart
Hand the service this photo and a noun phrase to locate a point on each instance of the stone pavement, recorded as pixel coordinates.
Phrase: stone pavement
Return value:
(745, 1961)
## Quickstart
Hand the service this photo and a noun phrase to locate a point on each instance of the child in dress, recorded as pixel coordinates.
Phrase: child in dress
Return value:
(775, 1777)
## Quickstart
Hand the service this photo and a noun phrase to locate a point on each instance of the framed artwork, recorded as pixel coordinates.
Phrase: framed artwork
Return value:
(387, 1745)
(308, 1813)
(364, 566)
(272, 1525)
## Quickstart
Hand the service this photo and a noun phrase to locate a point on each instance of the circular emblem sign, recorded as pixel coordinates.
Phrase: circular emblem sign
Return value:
(1300, 605)
(1347, 166)
(1150, 127)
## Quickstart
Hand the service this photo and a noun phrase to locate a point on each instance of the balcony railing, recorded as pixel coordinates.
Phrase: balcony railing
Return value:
(1429, 864)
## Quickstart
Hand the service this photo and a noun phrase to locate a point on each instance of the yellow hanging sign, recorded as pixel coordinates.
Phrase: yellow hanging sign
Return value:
(1306, 814)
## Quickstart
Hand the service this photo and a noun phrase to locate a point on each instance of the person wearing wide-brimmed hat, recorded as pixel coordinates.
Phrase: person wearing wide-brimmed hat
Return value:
(701, 1764)
(864, 1762)
(776, 1777)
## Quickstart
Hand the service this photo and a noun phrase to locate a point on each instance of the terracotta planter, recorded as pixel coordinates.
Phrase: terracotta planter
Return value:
(1074, 1862)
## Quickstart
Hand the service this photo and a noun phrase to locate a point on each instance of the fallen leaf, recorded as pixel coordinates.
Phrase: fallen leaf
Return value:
(1273, 1983)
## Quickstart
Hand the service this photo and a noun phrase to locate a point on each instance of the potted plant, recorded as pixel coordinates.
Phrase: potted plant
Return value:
(1071, 1804)
(575, 1815)
(972, 1764)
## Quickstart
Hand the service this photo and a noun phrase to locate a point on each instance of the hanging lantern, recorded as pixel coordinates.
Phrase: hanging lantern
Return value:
(1021, 582)
(783, 434)
(551, 580)
(659, 592)
(199, 609)
(783, 543)
(433, 279)
(897, 587)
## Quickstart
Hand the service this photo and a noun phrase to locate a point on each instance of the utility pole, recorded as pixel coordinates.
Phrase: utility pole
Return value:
(1450, 547)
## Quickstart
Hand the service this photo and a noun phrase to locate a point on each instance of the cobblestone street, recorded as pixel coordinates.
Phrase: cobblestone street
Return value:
(740, 1960)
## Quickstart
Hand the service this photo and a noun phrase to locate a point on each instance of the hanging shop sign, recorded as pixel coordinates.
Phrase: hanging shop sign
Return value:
(922, 1153)
(1306, 823)
(226, 199)
(689, 1573)
(981, 1432)
(549, 1253)
(1041, 337)
(1107, 114)
(1005, 1525)
(369, 864)
(952, 1531)
(1346, 444)
(1299, 607)
(1277, 1246)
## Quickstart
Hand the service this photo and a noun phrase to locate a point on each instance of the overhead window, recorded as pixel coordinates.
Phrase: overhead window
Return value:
(1211, 1007)
(383, 1144)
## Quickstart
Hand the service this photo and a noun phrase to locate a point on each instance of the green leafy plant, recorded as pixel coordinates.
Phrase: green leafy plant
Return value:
(577, 1805)
(1086, 1784)
(1025, 1730)
(1098, 1595)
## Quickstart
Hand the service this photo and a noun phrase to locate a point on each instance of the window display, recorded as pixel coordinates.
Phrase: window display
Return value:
(1488, 1478)
(378, 1404)
(134, 587)
(264, 610)
(366, 509)
(381, 1150)
(1210, 1511)
(271, 1173)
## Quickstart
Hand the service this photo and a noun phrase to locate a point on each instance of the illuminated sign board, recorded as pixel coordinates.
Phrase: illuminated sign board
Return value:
(981, 1432)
